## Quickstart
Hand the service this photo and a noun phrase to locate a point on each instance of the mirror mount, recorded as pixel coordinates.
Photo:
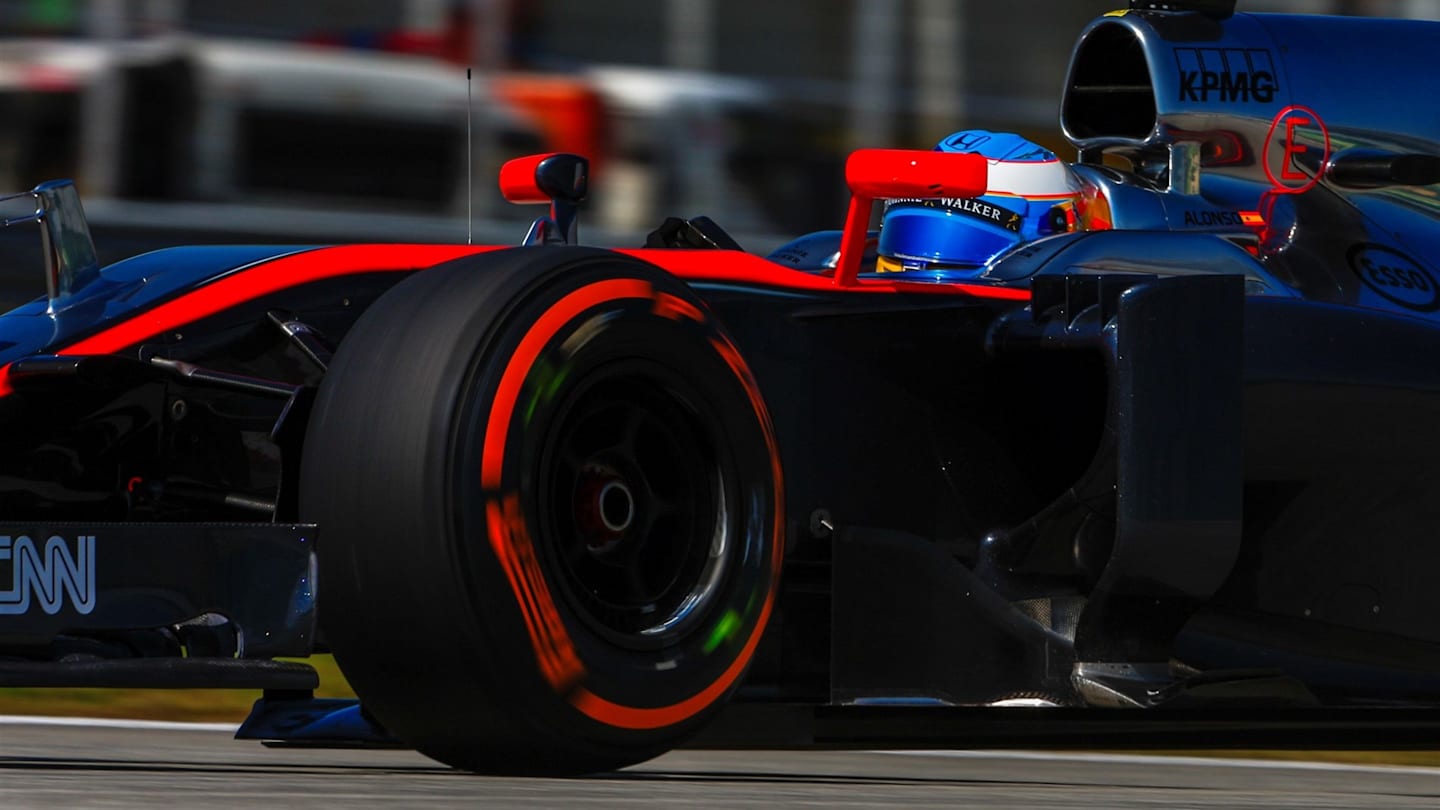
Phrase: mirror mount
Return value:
(557, 178)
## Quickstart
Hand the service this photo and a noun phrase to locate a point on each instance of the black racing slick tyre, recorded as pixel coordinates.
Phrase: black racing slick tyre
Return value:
(547, 490)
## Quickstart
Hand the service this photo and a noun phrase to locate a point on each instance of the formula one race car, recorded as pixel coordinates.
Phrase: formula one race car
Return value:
(558, 509)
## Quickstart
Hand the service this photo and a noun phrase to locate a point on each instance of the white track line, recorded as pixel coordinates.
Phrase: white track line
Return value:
(1037, 756)
(1157, 759)
(106, 722)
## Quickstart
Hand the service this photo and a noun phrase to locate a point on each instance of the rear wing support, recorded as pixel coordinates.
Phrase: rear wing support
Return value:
(70, 260)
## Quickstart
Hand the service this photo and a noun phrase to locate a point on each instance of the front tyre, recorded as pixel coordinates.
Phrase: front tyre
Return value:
(548, 495)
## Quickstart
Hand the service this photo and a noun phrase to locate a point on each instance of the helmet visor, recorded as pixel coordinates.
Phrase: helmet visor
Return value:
(913, 233)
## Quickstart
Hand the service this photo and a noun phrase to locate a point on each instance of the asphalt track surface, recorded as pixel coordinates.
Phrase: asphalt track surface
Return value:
(81, 764)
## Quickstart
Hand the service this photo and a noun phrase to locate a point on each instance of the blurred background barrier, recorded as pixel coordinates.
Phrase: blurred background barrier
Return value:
(325, 120)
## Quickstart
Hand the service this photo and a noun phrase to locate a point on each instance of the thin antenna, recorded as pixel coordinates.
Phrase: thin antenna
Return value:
(469, 172)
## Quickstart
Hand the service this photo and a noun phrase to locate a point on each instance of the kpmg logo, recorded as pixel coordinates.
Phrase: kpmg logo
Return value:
(47, 575)
(1230, 75)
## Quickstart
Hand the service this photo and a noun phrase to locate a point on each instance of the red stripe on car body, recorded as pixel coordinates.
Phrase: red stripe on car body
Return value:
(271, 276)
(746, 268)
(292, 270)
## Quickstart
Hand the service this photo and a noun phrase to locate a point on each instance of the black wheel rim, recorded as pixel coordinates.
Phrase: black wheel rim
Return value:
(634, 501)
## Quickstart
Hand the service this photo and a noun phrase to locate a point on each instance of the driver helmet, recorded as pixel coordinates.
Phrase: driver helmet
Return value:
(1031, 194)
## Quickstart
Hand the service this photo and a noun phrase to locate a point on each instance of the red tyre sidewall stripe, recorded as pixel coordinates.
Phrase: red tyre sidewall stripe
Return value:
(510, 539)
(539, 601)
(633, 717)
(497, 429)
(637, 718)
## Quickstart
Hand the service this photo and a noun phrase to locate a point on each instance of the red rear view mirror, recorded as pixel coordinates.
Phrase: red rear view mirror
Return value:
(557, 178)
(886, 174)
(545, 178)
(891, 173)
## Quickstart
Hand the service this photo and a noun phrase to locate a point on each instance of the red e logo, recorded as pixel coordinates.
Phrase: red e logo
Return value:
(1287, 161)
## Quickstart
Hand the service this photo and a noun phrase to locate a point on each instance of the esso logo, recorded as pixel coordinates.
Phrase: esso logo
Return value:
(1395, 277)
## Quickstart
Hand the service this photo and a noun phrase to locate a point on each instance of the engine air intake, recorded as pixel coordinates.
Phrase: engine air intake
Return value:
(1109, 94)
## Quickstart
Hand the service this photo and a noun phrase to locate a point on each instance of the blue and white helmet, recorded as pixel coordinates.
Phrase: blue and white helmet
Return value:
(1031, 194)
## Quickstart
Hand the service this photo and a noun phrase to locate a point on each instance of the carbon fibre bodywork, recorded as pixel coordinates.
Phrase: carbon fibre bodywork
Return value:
(1183, 456)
